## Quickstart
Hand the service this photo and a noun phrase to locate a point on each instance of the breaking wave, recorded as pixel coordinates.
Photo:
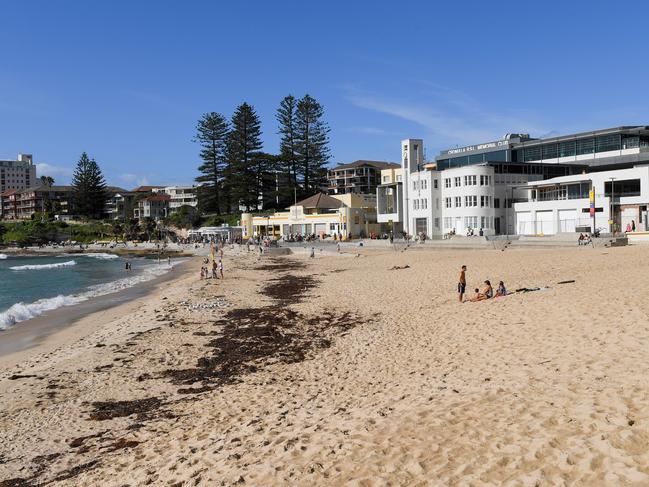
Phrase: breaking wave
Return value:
(33, 267)
(25, 311)
(98, 255)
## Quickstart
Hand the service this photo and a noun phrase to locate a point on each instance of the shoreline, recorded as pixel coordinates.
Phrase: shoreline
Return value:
(52, 329)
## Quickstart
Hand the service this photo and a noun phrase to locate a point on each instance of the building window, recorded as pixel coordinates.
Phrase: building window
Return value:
(608, 143)
(447, 202)
(585, 146)
(425, 201)
(484, 201)
(550, 151)
(458, 182)
(447, 182)
(470, 180)
(471, 221)
(458, 201)
(496, 202)
(471, 200)
(567, 149)
(436, 222)
(435, 183)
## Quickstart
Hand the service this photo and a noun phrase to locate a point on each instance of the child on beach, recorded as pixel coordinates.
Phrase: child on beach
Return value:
(461, 286)
(477, 296)
(501, 291)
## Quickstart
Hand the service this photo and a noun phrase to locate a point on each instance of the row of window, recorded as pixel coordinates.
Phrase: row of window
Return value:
(472, 201)
(469, 222)
(496, 156)
(420, 204)
(422, 184)
(602, 143)
(469, 180)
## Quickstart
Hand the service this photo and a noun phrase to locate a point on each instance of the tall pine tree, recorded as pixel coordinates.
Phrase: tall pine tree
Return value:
(244, 144)
(287, 145)
(211, 133)
(312, 144)
(88, 188)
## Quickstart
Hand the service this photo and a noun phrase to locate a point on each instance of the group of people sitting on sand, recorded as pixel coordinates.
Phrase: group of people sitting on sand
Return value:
(486, 293)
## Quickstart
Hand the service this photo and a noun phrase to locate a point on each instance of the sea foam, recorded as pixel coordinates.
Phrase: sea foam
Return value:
(25, 311)
(22, 311)
(33, 267)
(97, 255)
(3, 256)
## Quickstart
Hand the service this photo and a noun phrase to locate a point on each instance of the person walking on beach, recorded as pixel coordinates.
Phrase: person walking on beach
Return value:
(214, 276)
(312, 254)
(221, 268)
(461, 285)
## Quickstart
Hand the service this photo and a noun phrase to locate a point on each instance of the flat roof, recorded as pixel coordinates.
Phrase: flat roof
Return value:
(624, 129)
(363, 162)
(514, 141)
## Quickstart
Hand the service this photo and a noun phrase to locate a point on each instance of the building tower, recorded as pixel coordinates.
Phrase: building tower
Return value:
(412, 159)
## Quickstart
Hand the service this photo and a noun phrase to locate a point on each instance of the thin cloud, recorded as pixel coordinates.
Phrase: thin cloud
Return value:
(134, 179)
(59, 173)
(370, 131)
(448, 116)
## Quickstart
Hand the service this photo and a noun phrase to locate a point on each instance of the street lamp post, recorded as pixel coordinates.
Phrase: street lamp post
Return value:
(612, 206)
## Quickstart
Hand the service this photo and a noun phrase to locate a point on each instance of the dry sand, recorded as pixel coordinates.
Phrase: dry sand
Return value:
(343, 372)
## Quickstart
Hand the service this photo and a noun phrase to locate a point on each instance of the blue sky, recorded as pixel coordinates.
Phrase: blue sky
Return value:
(126, 81)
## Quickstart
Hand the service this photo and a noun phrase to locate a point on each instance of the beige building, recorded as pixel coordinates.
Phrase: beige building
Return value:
(18, 174)
(350, 215)
(357, 177)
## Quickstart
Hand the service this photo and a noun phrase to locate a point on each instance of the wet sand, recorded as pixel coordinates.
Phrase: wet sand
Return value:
(343, 371)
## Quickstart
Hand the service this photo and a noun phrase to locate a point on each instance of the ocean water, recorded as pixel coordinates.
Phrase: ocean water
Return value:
(30, 286)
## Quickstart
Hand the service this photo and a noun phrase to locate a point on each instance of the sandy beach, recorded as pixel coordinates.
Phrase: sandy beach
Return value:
(340, 370)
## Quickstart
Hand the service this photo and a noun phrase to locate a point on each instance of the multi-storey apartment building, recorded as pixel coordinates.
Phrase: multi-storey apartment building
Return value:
(21, 204)
(155, 206)
(179, 196)
(18, 174)
(357, 177)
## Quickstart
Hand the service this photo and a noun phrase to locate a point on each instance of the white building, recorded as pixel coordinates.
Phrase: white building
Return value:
(18, 174)
(179, 196)
(473, 188)
(463, 199)
(563, 204)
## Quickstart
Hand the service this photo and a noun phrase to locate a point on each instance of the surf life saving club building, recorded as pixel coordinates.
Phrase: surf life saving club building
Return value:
(521, 185)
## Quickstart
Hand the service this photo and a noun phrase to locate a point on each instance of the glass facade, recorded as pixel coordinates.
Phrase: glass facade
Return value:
(567, 149)
(585, 146)
(608, 142)
(496, 156)
(590, 145)
(550, 151)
